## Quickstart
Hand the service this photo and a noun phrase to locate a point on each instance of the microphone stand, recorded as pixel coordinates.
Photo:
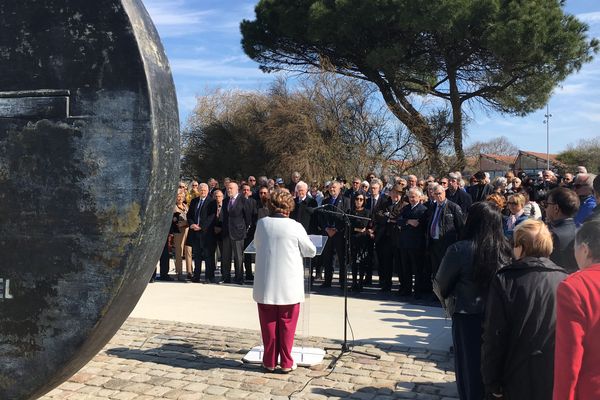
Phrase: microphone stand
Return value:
(345, 348)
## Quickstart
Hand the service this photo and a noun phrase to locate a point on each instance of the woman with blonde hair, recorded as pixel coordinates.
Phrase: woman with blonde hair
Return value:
(516, 203)
(179, 218)
(518, 336)
(281, 244)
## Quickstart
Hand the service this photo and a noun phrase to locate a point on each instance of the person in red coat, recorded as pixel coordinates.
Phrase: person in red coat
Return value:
(577, 352)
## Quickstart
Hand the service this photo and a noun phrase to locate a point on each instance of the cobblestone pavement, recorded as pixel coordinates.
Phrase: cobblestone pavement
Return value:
(151, 359)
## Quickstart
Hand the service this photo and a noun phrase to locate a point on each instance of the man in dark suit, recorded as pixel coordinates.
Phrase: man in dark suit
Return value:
(354, 191)
(444, 225)
(304, 207)
(388, 245)
(334, 227)
(456, 195)
(253, 207)
(480, 189)
(412, 223)
(237, 218)
(561, 205)
(377, 204)
(201, 220)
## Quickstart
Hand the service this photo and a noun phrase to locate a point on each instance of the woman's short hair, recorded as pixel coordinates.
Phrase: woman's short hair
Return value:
(589, 233)
(497, 200)
(281, 202)
(517, 198)
(534, 237)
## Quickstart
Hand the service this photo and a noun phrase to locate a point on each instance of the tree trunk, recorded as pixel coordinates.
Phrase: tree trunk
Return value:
(457, 121)
(414, 122)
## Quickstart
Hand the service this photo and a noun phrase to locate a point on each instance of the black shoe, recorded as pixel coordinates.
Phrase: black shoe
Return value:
(196, 279)
(249, 277)
(166, 278)
(356, 288)
(326, 284)
(189, 276)
(228, 280)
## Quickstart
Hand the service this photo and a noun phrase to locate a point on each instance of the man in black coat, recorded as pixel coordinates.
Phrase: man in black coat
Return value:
(201, 220)
(376, 204)
(304, 207)
(253, 208)
(561, 205)
(354, 191)
(456, 195)
(334, 227)
(237, 218)
(480, 189)
(387, 239)
(445, 222)
(412, 222)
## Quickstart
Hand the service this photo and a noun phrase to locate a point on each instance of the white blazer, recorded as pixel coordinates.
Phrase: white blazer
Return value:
(281, 244)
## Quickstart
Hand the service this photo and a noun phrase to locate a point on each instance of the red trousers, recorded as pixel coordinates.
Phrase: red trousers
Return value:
(278, 326)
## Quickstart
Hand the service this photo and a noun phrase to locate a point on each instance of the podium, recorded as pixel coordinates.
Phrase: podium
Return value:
(303, 356)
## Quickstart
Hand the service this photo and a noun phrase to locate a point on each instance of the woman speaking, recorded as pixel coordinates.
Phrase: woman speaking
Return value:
(280, 243)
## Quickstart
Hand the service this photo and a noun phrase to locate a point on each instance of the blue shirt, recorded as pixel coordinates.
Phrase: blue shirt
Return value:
(585, 209)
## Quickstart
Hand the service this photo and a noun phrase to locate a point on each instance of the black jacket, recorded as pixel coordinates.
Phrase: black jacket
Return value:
(454, 283)
(480, 192)
(328, 220)
(237, 219)
(563, 235)
(411, 237)
(451, 222)
(203, 216)
(462, 198)
(517, 356)
(303, 213)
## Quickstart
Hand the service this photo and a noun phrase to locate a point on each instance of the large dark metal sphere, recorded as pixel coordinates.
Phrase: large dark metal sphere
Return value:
(89, 160)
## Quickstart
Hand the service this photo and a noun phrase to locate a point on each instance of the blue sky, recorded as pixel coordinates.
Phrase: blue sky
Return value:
(202, 41)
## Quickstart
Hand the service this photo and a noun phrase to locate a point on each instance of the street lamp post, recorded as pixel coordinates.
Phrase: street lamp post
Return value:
(547, 122)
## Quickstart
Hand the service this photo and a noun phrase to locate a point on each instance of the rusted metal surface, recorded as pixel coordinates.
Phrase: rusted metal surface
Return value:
(89, 155)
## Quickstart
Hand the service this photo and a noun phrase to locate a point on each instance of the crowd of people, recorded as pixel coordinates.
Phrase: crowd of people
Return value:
(514, 261)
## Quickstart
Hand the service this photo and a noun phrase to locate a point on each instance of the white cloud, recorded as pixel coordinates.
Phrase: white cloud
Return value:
(573, 89)
(590, 18)
(229, 68)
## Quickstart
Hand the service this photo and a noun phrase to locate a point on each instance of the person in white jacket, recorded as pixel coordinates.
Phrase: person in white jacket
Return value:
(280, 243)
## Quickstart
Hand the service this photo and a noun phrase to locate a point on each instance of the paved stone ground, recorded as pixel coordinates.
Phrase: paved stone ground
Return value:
(151, 359)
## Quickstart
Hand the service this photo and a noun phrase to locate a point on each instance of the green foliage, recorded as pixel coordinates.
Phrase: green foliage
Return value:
(585, 152)
(505, 54)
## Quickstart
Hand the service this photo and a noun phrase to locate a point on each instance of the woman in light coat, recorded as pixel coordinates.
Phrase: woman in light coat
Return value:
(281, 243)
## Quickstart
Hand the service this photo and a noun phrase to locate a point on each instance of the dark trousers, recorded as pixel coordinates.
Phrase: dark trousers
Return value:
(337, 244)
(466, 337)
(437, 250)
(232, 249)
(385, 257)
(412, 264)
(248, 259)
(164, 261)
(204, 251)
